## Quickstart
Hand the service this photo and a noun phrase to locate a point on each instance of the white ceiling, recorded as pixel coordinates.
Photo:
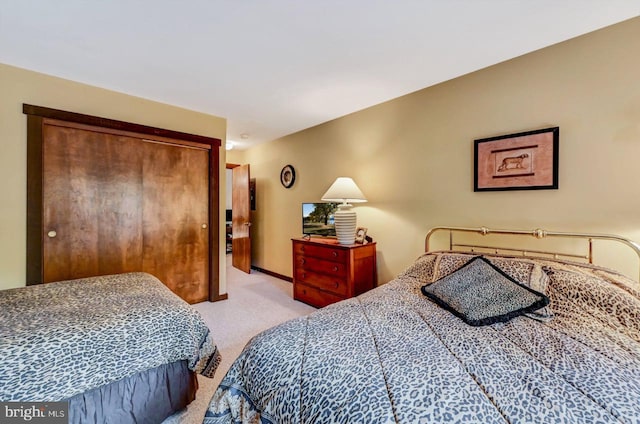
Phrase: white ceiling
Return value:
(274, 67)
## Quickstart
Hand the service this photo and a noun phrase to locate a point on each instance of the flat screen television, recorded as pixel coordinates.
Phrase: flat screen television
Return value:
(317, 219)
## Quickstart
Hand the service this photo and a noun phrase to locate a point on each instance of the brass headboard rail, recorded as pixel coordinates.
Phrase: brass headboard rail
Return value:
(537, 233)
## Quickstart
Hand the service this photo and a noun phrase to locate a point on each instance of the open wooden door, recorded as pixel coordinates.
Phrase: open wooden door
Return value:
(241, 222)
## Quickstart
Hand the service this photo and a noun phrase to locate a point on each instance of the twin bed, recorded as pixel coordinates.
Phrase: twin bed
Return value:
(395, 355)
(120, 348)
(418, 349)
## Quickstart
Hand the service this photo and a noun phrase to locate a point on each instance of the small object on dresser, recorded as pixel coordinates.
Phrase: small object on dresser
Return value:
(361, 234)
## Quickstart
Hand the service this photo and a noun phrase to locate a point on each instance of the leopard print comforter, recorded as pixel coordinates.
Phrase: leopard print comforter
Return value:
(393, 356)
(61, 339)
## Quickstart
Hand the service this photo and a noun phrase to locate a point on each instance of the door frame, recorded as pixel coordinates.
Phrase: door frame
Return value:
(36, 118)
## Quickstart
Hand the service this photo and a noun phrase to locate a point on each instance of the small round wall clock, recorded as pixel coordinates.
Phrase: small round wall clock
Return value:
(287, 176)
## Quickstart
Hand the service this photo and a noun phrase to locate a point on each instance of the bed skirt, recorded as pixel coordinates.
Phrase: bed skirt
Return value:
(147, 397)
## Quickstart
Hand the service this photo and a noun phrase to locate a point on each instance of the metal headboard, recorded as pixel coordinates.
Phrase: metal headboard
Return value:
(537, 233)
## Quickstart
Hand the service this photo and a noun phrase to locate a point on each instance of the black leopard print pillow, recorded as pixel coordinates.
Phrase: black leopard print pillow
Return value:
(525, 271)
(480, 293)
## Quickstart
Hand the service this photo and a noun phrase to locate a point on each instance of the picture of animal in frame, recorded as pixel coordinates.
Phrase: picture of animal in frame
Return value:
(513, 162)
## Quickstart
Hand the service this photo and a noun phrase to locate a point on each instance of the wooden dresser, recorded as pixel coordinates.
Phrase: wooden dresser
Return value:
(326, 272)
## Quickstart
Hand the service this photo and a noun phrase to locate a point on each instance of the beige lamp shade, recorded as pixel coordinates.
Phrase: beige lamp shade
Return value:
(344, 190)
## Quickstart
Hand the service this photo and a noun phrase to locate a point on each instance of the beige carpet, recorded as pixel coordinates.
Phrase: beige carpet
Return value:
(256, 302)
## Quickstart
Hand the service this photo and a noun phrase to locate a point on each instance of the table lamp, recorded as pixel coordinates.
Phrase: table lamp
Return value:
(346, 191)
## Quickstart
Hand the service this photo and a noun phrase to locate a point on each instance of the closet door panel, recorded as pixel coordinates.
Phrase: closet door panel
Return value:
(176, 218)
(92, 212)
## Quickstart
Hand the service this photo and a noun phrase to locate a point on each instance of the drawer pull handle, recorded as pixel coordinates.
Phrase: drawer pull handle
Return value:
(335, 268)
(335, 254)
(304, 275)
(337, 284)
(302, 248)
(302, 261)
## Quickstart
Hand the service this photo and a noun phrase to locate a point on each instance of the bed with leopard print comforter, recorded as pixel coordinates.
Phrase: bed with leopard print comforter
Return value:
(393, 356)
(58, 340)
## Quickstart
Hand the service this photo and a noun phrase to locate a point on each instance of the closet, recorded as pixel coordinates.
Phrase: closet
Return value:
(106, 197)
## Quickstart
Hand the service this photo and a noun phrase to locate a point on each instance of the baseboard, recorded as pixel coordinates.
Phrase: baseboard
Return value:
(273, 274)
(223, 296)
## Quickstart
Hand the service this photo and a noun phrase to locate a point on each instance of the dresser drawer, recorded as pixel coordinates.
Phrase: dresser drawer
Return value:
(327, 252)
(313, 296)
(334, 269)
(333, 284)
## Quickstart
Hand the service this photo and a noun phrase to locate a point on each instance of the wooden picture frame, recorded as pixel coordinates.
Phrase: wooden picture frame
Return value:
(361, 235)
(521, 161)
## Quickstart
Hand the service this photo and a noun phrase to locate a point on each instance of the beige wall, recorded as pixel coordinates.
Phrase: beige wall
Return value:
(18, 86)
(413, 156)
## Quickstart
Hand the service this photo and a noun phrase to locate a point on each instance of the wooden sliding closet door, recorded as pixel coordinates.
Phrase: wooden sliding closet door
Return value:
(176, 218)
(106, 197)
(92, 203)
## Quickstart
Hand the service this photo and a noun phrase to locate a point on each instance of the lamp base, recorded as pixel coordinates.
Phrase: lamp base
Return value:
(345, 220)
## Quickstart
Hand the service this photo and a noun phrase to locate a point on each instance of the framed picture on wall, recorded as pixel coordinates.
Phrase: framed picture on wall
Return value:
(287, 176)
(521, 161)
